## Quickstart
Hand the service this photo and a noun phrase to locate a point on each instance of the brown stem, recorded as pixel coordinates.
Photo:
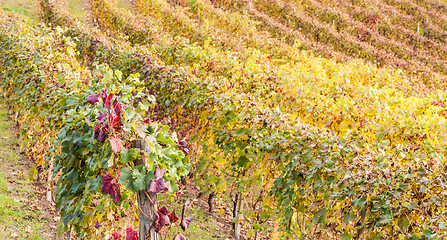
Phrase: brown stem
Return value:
(359, 224)
(211, 197)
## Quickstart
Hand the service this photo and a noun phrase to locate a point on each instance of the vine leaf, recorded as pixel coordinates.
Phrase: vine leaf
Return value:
(179, 236)
(159, 173)
(164, 218)
(173, 217)
(185, 205)
(184, 224)
(126, 174)
(106, 99)
(101, 117)
(111, 186)
(161, 219)
(117, 107)
(178, 194)
(129, 155)
(93, 98)
(116, 235)
(131, 234)
(100, 135)
(158, 186)
(139, 179)
(117, 144)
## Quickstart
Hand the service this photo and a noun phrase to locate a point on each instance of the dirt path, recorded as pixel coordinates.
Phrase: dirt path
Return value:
(24, 211)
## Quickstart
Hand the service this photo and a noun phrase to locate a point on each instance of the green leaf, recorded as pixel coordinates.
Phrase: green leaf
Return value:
(61, 228)
(346, 236)
(94, 183)
(428, 233)
(385, 219)
(320, 216)
(404, 223)
(125, 175)
(242, 161)
(150, 130)
(139, 180)
(241, 145)
(412, 205)
(264, 215)
(348, 218)
(143, 106)
(129, 155)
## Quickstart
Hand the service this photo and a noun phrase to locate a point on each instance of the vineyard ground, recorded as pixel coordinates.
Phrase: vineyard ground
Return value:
(24, 211)
(29, 8)
(23, 197)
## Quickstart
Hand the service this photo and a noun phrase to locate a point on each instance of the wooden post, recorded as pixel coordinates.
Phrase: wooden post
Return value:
(146, 206)
(49, 180)
(211, 197)
(236, 209)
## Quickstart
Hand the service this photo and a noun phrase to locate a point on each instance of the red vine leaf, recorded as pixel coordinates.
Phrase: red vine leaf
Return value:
(116, 235)
(179, 236)
(178, 194)
(93, 98)
(173, 217)
(185, 205)
(159, 173)
(117, 144)
(131, 234)
(161, 219)
(158, 186)
(111, 186)
(106, 99)
(163, 216)
(118, 108)
(183, 145)
(100, 135)
(185, 223)
(101, 118)
(115, 121)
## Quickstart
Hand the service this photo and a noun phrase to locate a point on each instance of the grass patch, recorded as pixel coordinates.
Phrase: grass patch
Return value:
(17, 10)
(202, 226)
(28, 8)
(19, 216)
(8, 209)
(3, 186)
(7, 140)
(124, 4)
(76, 8)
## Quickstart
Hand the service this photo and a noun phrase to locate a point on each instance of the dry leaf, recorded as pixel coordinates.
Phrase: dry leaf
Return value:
(28, 229)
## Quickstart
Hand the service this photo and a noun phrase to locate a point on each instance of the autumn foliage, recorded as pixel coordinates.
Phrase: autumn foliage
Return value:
(347, 146)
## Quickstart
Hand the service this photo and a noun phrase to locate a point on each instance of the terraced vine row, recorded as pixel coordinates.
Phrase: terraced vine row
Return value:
(341, 149)
(370, 36)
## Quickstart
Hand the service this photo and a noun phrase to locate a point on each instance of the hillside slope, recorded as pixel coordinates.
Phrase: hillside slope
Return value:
(317, 119)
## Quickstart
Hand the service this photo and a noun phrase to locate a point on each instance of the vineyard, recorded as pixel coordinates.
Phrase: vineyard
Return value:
(304, 119)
